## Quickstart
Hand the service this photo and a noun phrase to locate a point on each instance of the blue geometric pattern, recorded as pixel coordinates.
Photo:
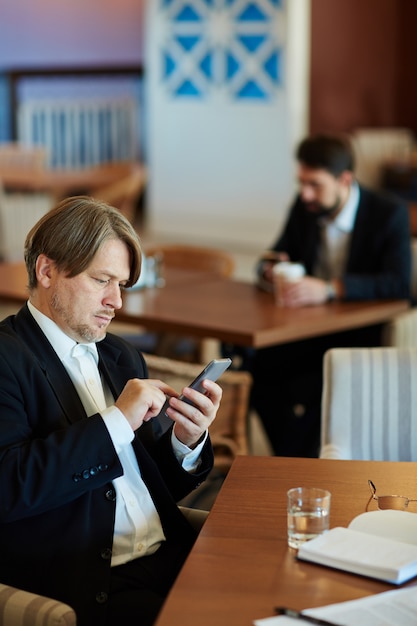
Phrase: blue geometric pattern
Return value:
(230, 46)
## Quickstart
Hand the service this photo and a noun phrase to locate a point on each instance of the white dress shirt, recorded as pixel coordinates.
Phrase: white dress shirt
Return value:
(138, 530)
(336, 237)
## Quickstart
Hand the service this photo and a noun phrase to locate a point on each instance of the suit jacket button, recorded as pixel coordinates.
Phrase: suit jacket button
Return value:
(106, 554)
(101, 597)
(110, 495)
(86, 474)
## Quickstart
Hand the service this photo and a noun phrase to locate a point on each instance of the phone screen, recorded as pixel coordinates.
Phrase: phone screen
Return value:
(212, 371)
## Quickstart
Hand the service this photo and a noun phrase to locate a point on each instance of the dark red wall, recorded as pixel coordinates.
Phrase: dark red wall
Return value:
(363, 64)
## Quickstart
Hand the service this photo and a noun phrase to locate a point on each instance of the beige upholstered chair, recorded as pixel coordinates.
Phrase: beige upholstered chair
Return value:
(369, 404)
(196, 517)
(229, 431)
(19, 211)
(401, 331)
(375, 147)
(20, 208)
(21, 608)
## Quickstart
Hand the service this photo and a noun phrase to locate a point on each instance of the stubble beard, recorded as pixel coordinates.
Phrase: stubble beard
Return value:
(320, 211)
(83, 332)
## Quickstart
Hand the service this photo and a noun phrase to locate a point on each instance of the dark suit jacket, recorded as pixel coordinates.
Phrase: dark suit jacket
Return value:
(57, 502)
(379, 260)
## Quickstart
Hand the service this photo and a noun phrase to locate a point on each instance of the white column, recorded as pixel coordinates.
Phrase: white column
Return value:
(226, 102)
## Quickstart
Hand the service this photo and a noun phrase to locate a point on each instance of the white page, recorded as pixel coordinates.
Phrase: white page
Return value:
(397, 525)
(391, 608)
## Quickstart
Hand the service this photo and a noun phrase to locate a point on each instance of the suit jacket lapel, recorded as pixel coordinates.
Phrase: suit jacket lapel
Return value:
(114, 373)
(48, 361)
(56, 374)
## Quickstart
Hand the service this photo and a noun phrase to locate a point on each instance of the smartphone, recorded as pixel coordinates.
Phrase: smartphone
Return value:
(212, 371)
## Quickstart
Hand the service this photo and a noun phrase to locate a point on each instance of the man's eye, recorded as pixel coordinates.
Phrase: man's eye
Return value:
(102, 281)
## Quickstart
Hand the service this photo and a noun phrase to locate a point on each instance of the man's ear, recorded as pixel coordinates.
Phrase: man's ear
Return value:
(44, 270)
(346, 178)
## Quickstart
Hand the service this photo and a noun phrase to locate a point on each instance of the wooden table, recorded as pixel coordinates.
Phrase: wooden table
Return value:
(204, 305)
(241, 566)
(239, 313)
(61, 183)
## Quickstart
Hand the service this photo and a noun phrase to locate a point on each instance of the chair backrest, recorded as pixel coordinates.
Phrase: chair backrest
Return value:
(19, 211)
(21, 608)
(369, 404)
(375, 147)
(414, 268)
(229, 431)
(401, 331)
(124, 194)
(194, 257)
(18, 156)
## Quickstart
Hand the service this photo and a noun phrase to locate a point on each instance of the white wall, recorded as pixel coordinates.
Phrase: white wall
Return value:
(222, 168)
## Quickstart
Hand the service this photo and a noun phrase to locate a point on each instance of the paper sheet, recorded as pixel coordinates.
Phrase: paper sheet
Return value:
(391, 608)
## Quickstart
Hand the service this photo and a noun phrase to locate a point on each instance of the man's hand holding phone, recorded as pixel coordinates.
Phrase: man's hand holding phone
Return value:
(195, 409)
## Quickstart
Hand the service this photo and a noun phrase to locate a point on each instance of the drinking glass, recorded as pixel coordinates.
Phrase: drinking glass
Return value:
(308, 510)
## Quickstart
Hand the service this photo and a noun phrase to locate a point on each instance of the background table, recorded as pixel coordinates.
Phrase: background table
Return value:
(238, 312)
(241, 566)
(64, 182)
(200, 304)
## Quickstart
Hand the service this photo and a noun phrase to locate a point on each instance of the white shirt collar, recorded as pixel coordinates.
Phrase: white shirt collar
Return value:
(346, 218)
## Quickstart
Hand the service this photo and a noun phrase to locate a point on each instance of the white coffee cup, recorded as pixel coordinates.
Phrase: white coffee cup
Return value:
(286, 272)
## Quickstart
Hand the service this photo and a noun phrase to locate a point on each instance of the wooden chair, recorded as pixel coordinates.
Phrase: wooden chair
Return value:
(20, 209)
(212, 260)
(190, 257)
(369, 404)
(125, 193)
(21, 608)
(15, 155)
(229, 431)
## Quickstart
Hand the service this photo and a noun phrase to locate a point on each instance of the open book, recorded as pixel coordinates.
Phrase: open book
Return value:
(379, 544)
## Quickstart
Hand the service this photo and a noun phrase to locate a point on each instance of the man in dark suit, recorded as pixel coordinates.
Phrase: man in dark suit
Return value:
(355, 245)
(89, 482)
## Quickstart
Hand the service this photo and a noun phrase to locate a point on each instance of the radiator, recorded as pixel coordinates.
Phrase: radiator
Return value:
(18, 213)
(80, 133)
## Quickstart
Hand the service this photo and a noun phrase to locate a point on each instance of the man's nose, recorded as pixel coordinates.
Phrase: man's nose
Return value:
(307, 193)
(113, 296)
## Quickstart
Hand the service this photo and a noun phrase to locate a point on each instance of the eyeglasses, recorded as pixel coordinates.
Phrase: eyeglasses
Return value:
(388, 502)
